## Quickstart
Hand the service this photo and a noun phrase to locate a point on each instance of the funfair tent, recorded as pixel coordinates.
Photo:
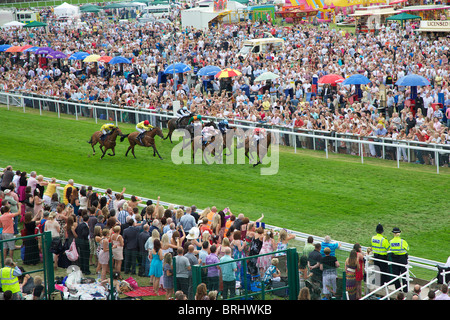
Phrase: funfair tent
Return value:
(66, 10)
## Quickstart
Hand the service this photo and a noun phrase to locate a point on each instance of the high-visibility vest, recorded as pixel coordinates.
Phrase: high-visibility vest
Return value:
(228, 225)
(380, 245)
(210, 216)
(399, 246)
(8, 280)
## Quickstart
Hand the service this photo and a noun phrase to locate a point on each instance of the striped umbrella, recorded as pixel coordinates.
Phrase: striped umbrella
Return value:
(228, 73)
(331, 79)
(4, 47)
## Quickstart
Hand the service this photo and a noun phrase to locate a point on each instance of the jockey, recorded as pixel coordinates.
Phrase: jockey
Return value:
(207, 133)
(106, 129)
(195, 119)
(223, 126)
(143, 127)
(181, 113)
(258, 134)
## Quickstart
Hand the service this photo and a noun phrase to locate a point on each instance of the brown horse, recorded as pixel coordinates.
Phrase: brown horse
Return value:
(264, 144)
(108, 143)
(148, 140)
(173, 124)
(210, 146)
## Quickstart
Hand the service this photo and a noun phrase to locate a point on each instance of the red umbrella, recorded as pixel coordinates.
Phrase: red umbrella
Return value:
(105, 59)
(331, 79)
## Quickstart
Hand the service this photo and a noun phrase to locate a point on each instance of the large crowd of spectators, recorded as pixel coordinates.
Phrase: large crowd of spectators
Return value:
(145, 237)
(383, 110)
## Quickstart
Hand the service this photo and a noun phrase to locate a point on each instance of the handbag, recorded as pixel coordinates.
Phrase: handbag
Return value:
(72, 253)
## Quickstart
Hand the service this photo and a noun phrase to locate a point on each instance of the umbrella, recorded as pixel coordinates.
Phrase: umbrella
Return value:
(3, 47)
(14, 49)
(56, 55)
(44, 50)
(208, 71)
(35, 24)
(92, 58)
(31, 49)
(413, 81)
(266, 76)
(177, 68)
(227, 73)
(403, 16)
(331, 78)
(105, 59)
(119, 59)
(356, 79)
(81, 55)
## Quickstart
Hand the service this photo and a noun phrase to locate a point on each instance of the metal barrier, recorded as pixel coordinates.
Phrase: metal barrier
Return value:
(251, 286)
(47, 258)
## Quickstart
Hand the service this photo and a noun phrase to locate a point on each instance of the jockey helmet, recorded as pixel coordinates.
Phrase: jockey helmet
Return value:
(146, 122)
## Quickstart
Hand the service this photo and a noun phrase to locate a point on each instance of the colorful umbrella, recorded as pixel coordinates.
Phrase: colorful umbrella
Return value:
(331, 79)
(92, 58)
(228, 73)
(413, 80)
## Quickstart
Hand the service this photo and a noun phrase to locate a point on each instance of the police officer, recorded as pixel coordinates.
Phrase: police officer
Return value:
(380, 248)
(399, 249)
(9, 278)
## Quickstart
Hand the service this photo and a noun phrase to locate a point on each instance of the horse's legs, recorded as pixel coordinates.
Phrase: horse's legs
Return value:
(93, 150)
(132, 151)
(104, 152)
(156, 150)
(114, 152)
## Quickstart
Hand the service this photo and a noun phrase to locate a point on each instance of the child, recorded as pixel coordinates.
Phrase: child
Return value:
(38, 290)
(168, 275)
(272, 272)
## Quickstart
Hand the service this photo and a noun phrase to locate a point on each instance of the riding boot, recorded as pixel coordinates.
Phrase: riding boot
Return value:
(140, 138)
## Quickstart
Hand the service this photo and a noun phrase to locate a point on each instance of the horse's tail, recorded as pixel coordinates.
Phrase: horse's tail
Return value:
(122, 137)
(90, 141)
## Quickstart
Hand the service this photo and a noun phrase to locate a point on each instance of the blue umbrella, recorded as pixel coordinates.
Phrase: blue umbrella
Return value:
(119, 59)
(79, 55)
(32, 49)
(208, 71)
(355, 79)
(413, 80)
(177, 68)
(4, 47)
(44, 50)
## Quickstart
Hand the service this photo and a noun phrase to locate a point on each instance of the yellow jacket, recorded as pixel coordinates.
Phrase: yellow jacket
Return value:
(141, 125)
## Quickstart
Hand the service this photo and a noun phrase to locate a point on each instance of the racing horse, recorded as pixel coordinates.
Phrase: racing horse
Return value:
(108, 143)
(148, 140)
(173, 124)
(264, 144)
(216, 141)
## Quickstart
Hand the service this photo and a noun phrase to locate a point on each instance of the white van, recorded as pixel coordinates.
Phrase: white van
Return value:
(260, 46)
(156, 11)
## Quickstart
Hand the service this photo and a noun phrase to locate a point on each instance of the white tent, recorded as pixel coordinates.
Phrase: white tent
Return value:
(14, 24)
(66, 10)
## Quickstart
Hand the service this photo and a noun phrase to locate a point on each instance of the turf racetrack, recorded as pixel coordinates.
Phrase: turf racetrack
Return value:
(338, 196)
